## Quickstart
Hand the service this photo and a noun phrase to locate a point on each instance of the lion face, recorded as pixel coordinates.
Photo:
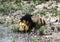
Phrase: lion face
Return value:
(23, 25)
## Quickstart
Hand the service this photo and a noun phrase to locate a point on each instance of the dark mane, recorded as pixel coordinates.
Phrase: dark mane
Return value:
(27, 18)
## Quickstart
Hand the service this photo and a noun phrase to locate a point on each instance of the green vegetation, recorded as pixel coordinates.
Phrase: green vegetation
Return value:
(10, 6)
(58, 28)
(41, 12)
(41, 31)
(34, 40)
(53, 10)
(27, 8)
(14, 28)
(52, 28)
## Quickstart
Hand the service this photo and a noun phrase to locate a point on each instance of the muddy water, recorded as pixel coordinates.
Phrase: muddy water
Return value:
(7, 35)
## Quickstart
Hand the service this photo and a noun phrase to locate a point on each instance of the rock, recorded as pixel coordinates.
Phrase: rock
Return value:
(47, 38)
(48, 31)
